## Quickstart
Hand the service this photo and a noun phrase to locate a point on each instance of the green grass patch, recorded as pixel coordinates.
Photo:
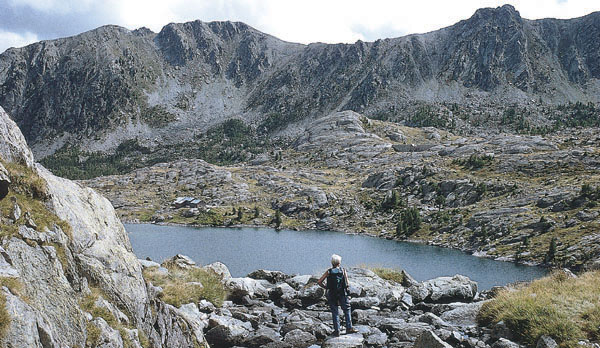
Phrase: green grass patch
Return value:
(179, 286)
(566, 309)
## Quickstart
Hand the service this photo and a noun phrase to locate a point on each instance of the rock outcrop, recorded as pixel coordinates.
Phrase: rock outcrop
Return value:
(53, 270)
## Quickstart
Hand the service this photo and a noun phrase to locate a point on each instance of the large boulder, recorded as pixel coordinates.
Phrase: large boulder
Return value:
(272, 276)
(445, 290)
(299, 339)
(179, 261)
(346, 341)
(241, 287)
(299, 320)
(365, 283)
(219, 269)
(463, 315)
(430, 340)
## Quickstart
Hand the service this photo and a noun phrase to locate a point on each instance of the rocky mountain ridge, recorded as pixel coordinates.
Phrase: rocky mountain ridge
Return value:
(110, 85)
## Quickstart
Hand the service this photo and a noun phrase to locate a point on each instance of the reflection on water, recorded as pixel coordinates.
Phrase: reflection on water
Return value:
(307, 252)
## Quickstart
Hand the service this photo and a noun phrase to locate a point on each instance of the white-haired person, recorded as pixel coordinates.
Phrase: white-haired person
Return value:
(337, 293)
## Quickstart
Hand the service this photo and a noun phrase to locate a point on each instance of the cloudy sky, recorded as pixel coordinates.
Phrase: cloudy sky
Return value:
(26, 21)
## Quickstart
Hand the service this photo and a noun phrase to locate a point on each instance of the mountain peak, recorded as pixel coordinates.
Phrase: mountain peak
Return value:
(499, 13)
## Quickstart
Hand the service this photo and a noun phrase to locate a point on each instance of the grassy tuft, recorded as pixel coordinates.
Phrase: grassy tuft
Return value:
(30, 190)
(393, 275)
(25, 180)
(93, 335)
(566, 309)
(179, 288)
(87, 304)
(144, 341)
(13, 284)
(4, 316)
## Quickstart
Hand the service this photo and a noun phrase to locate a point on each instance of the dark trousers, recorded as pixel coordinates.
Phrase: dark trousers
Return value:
(342, 301)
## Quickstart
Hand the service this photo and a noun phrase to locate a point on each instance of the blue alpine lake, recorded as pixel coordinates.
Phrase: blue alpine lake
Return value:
(246, 249)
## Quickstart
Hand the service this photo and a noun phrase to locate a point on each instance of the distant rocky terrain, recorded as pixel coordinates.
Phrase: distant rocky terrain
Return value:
(115, 91)
(509, 197)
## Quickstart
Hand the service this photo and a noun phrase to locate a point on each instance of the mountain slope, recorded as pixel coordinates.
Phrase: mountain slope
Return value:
(109, 85)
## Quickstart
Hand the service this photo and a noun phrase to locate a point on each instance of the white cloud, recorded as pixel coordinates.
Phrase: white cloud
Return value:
(338, 20)
(8, 39)
(304, 21)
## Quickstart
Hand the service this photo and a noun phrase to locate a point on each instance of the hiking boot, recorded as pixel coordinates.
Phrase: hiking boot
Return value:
(336, 334)
(351, 330)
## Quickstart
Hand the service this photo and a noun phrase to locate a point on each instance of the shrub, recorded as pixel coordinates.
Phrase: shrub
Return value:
(475, 162)
(564, 308)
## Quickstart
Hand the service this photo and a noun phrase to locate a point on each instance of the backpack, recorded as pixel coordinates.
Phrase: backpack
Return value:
(336, 282)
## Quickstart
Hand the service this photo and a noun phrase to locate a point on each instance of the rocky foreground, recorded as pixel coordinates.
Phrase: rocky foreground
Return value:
(273, 309)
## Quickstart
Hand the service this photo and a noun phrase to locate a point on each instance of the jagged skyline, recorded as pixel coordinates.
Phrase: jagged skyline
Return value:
(25, 21)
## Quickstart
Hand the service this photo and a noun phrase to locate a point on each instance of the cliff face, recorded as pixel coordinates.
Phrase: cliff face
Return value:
(111, 84)
(65, 259)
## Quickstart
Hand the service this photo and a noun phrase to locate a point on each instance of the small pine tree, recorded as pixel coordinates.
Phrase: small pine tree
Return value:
(551, 255)
(240, 214)
(440, 201)
(391, 202)
(409, 222)
(256, 212)
(277, 220)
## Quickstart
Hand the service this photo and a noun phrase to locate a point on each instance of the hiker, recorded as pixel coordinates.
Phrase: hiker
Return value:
(337, 293)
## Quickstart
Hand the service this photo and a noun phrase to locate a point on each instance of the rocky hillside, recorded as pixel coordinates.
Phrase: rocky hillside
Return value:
(509, 197)
(105, 87)
(68, 277)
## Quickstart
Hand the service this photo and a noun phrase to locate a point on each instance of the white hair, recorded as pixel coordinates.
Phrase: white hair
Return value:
(336, 260)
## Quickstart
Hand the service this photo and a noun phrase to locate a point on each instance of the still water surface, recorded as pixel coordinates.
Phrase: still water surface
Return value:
(244, 250)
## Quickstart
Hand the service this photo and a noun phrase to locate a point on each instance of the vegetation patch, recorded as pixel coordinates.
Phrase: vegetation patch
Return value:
(30, 191)
(157, 116)
(73, 163)
(88, 304)
(227, 143)
(181, 286)
(409, 222)
(475, 162)
(567, 309)
(393, 275)
(4, 316)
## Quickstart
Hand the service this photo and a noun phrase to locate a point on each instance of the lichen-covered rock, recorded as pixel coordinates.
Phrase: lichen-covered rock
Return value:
(430, 340)
(346, 341)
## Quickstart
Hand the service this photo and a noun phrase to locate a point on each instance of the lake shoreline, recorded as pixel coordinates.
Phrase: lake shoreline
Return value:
(304, 248)
(414, 241)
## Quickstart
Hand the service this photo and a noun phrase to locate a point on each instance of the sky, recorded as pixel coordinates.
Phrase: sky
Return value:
(25, 21)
